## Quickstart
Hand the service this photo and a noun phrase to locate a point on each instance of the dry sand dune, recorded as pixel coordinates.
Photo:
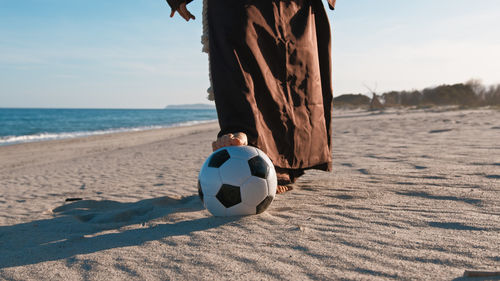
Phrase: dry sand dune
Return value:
(414, 195)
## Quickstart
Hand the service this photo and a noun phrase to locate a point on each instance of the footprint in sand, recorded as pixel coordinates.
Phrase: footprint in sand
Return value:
(426, 195)
(440, 131)
(344, 197)
(455, 226)
(434, 178)
(484, 164)
(364, 171)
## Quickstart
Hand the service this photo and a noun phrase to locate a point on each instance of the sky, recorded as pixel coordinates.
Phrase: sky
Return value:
(130, 54)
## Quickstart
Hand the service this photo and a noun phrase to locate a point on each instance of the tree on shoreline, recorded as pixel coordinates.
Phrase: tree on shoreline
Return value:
(471, 93)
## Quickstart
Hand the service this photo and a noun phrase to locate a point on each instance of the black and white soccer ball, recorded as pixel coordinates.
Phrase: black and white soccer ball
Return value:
(237, 180)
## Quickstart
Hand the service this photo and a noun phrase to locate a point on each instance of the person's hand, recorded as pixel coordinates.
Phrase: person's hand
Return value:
(180, 7)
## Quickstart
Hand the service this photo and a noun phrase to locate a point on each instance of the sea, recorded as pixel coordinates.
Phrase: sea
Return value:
(21, 125)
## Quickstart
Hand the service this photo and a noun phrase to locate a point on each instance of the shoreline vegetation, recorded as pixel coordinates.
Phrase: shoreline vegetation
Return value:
(463, 95)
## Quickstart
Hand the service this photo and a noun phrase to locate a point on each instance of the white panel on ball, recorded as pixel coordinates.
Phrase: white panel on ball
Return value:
(234, 171)
(214, 206)
(272, 183)
(240, 210)
(210, 181)
(254, 190)
(242, 152)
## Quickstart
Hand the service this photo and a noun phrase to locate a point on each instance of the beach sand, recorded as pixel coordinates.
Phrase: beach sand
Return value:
(414, 195)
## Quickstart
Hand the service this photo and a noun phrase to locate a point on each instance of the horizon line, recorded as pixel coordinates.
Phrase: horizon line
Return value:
(118, 108)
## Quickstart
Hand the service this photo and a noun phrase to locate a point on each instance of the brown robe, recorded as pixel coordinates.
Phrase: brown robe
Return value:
(271, 76)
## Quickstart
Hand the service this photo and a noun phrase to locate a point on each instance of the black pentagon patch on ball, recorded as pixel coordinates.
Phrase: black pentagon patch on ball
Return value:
(200, 192)
(229, 195)
(264, 204)
(258, 167)
(218, 159)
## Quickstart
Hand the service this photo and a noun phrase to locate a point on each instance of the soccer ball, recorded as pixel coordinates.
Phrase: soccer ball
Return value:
(237, 180)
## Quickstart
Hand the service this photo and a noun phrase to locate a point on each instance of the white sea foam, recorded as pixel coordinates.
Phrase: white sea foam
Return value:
(9, 140)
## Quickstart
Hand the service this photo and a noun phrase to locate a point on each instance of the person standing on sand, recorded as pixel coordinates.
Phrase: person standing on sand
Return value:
(271, 78)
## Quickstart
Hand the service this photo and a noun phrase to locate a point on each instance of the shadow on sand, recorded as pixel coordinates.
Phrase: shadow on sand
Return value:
(90, 226)
(477, 278)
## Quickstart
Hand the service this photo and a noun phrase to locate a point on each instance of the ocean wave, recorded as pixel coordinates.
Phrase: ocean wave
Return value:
(9, 140)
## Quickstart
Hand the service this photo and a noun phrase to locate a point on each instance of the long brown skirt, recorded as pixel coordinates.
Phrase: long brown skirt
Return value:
(271, 75)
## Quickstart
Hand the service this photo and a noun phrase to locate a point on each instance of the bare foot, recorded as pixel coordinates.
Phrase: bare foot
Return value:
(280, 189)
(235, 139)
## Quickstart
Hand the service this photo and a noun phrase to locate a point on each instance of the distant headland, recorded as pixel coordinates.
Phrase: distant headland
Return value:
(191, 106)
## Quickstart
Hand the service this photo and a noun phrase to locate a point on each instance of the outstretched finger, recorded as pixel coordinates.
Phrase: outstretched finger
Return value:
(185, 13)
